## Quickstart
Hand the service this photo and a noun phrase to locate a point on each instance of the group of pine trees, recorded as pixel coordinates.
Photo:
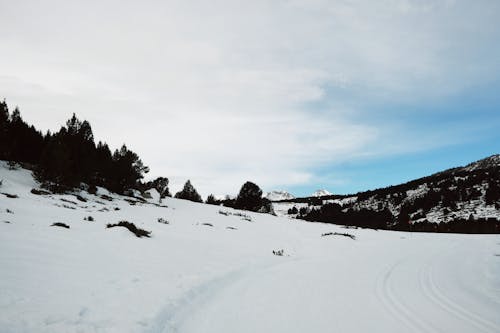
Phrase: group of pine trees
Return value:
(69, 157)
(249, 198)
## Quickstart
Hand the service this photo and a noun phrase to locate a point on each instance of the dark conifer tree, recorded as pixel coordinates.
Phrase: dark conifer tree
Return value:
(211, 200)
(4, 131)
(250, 197)
(189, 193)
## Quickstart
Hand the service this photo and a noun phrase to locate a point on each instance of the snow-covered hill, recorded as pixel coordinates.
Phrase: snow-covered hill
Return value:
(212, 269)
(458, 195)
(278, 195)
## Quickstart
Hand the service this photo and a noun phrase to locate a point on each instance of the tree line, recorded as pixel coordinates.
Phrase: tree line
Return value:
(70, 158)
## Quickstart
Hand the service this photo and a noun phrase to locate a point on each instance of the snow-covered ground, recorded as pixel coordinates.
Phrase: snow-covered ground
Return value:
(212, 272)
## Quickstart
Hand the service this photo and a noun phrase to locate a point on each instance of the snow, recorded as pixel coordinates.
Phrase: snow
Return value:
(192, 277)
(278, 195)
(321, 193)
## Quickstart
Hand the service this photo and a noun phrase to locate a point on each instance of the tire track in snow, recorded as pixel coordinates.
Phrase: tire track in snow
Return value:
(396, 307)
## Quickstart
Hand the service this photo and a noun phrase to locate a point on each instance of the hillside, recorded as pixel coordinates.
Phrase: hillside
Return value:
(464, 199)
(206, 268)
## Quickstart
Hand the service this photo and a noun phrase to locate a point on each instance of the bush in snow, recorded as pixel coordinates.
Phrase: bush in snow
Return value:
(13, 165)
(163, 221)
(338, 234)
(131, 227)
(11, 196)
(39, 192)
(278, 252)
(80, 198)
(60, 224)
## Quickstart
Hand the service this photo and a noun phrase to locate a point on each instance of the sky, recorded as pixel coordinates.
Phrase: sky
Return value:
(295, 95)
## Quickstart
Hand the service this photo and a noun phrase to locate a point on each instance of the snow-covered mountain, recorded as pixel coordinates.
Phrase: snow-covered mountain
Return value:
(458, 196)
(208, 268)
(321, 193)
(278, 195)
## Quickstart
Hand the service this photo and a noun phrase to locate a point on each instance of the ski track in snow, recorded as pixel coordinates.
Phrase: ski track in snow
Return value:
(171, 318)
(396, 306)
(438, 296)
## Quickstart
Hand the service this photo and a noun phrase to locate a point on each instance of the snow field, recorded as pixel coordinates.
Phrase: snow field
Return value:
(192, 277)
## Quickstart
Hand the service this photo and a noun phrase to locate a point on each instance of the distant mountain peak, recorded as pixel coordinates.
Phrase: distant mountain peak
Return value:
(321, 193)
(278, 195)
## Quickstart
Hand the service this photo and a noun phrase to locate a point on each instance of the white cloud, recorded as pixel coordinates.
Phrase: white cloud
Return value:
(221, 92)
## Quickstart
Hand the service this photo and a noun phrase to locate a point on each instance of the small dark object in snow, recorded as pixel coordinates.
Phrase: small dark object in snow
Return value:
(6, 222)
(162, 220)
(89, 218)
(208, 224)
(12, 196)
(232, 228)
(131, 202)
(103, 209)
(117, 208)
(278, 252)
(224, 213)
(338, 234)
(92, 189)
(82, 199)
(69, 201)
(132, 228)
(13, 165)
(9, 211)
(350, 227)
(60, 224)
(39, 192)
(106, 197)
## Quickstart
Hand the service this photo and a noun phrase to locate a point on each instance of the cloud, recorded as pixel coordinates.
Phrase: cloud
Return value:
(222, 92)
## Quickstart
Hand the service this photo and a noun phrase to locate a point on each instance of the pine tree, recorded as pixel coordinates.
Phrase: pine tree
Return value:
(250, 197)
(189, 193)
(211, 200)
(4, 134)
(160, 184)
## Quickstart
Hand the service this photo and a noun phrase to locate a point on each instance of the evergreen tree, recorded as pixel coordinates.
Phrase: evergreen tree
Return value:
(128, 169)
(189, 193)
(160, 184)
(250, 197)
(492, 193)
(4, 131)
(211, 200)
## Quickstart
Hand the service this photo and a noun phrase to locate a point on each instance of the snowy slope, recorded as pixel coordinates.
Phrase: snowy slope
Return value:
(193, 277)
